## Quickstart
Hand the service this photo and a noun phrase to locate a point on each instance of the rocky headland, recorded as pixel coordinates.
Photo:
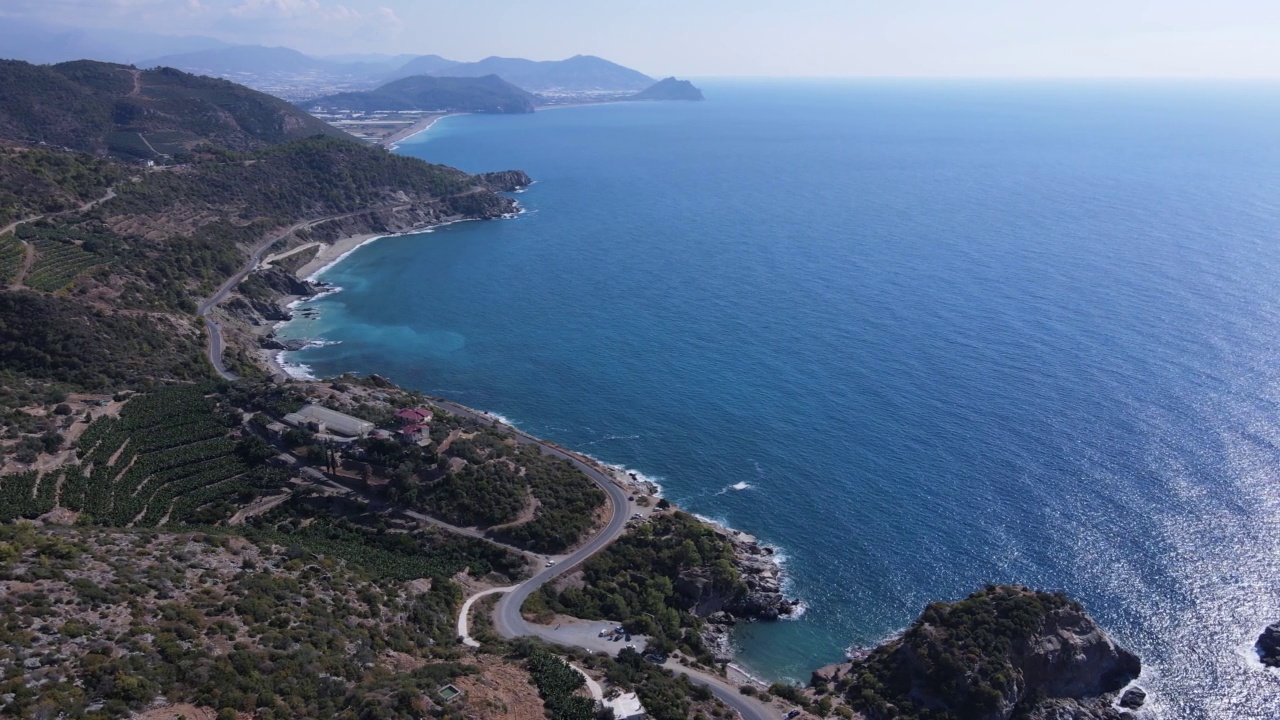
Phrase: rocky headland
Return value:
(1001, 653)
(761, 596)
(669, 89)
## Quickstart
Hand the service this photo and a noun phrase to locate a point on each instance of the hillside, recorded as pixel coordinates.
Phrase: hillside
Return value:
(669, 89)
(578, 74)
(100, 623)
(101, 108)
(488, 94)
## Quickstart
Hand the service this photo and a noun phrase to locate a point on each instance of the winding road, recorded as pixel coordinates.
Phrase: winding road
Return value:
(216, 344)
(508, 621)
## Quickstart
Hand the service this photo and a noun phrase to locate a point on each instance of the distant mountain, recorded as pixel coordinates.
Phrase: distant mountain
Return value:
(40, 42)
(424, 65)
(489, 94)
(578, 74)
(104, 108)
(242, 59)
(669, 89)
(370, 59)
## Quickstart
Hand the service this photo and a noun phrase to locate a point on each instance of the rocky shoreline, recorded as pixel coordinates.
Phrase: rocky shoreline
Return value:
(765, 599)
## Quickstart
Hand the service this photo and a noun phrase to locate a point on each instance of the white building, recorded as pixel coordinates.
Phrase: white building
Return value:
(323, 420)
(626, 707)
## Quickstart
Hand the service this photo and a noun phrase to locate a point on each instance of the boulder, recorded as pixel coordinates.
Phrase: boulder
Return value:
(1268, 645)
(1133, 698)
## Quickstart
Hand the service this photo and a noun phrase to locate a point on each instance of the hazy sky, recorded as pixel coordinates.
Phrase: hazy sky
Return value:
(1239, 38)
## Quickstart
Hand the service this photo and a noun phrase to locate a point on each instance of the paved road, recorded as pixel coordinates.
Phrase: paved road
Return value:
(216, 344)
(464, 617)
(508, 621)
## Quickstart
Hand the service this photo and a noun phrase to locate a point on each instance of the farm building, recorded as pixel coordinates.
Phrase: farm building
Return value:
(323, 420)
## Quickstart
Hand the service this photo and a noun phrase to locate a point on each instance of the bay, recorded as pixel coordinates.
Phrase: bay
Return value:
(945, 333)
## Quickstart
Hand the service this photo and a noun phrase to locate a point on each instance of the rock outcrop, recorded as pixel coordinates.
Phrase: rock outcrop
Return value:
(1268, 645)
(1002, 652)
(759, 598)
(505, 181)
(669, 89)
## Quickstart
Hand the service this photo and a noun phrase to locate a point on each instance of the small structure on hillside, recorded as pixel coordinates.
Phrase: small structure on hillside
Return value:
(276, 430)
(626, 707)
(449, 693)
(323, 420)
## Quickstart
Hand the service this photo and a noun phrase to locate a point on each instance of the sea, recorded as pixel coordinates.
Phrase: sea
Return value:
(919, 336)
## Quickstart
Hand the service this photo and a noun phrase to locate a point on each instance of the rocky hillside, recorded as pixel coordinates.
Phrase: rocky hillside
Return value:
(104, 108)
(98, 623)
(1001, 653)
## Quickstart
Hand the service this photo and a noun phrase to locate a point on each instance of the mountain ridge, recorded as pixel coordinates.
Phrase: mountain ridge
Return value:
(580, 73)
(487, 94)
(107, 108)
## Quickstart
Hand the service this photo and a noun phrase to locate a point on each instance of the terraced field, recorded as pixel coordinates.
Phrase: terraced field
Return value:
(167, 460)
(26, 495)
(11, 256)
(59, 263)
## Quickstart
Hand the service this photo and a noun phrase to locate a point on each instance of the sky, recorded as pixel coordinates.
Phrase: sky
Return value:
(701, 38)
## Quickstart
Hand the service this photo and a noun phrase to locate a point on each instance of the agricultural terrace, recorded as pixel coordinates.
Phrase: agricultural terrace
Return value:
(58, 263)
(11, 256)
(167, 460)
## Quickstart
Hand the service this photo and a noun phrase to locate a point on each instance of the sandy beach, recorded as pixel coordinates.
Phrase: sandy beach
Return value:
(331, 253)
(422, 125)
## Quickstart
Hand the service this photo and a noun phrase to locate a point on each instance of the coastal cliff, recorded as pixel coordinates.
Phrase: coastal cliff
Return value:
(1003, 652)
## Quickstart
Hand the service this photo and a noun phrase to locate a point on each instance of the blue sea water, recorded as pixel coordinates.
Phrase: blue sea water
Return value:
(946, 333)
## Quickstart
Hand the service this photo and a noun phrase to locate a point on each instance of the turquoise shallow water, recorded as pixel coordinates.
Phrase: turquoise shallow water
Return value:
(945, 333)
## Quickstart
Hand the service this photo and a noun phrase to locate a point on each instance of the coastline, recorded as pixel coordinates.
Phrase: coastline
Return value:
(333, 253)
(391, 142)
(761, 565)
